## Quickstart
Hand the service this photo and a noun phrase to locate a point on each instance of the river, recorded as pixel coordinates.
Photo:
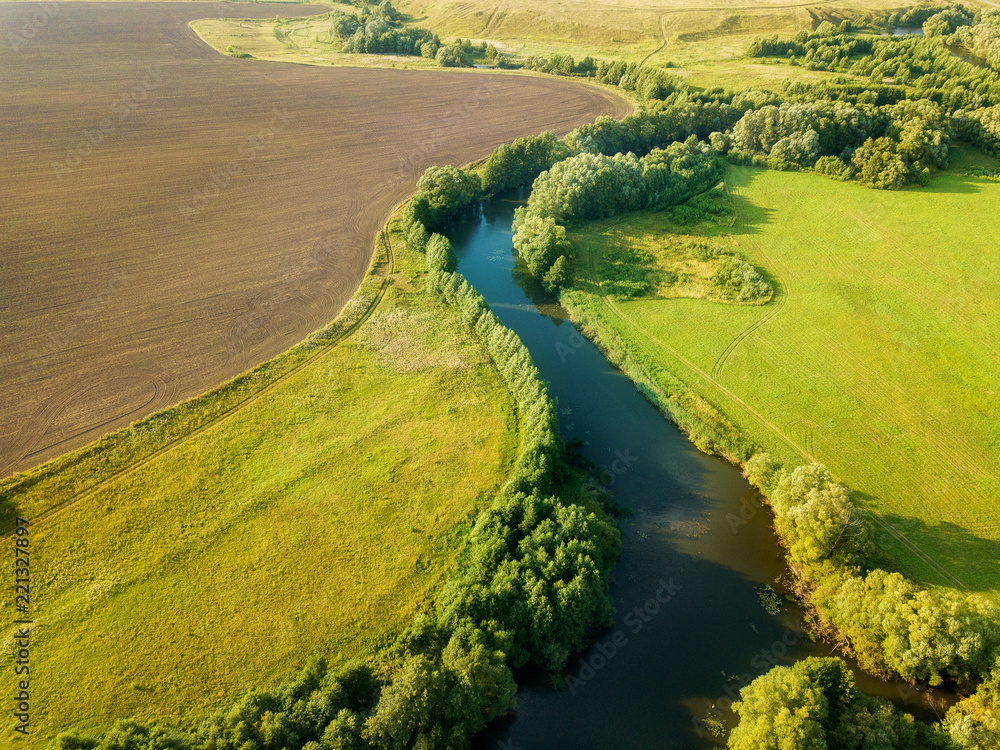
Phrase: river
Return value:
(698, 549)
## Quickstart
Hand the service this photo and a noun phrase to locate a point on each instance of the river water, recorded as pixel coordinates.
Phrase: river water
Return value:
(690, 628)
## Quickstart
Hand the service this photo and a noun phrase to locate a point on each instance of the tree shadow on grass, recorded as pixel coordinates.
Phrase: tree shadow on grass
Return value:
(749, 216)
(954, 184)
(971, 559)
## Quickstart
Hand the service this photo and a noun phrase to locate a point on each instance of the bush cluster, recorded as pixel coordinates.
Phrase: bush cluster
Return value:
(595, 186)
(378, 29)
(442, 192)
(814, 705)
(981, 127)
(739, 281)
(894, 626)
(884, 147)
(517, 164)
(915, 68)
(981, 39)
(645, 81)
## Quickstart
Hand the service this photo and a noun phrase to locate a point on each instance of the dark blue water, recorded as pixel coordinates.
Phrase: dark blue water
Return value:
(690, 627)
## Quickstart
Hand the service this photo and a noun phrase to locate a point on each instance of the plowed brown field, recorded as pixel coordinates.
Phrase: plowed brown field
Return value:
(170, 216)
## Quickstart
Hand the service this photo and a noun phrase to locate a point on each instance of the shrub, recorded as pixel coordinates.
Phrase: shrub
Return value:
(814, 705)
(738, 280)
(559, 276)
(540, 241)
(816, 517)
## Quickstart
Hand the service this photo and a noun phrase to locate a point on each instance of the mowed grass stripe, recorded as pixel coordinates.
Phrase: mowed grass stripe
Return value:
(881, 390)
(891, 398)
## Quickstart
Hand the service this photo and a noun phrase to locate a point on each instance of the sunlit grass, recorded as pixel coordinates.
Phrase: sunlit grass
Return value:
(879, 356)
(316, 519)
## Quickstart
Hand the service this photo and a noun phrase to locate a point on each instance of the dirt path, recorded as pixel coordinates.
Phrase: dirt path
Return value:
(170, 216)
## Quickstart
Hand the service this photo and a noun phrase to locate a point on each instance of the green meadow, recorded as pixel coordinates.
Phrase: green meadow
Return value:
(315, 516)
(878, 356)
(703, 45)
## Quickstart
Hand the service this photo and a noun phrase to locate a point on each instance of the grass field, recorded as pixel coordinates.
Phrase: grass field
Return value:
(703, 44)
(172, 216)
(315, 518)
(705, 41)
(879, 355)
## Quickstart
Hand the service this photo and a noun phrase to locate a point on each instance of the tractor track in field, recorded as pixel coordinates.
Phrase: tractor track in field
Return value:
(676, 11)
(497, 16)
(872, 512)
(326, 348)
(749, 330)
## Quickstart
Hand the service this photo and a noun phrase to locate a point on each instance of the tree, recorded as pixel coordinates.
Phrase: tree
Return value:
(814, 704)
(443, 191)
(417, 237)
(896, 626)
(816, 516)
(449, 57)
(429, 49)
(559, 275)
(536, 577)
(782, 710)
(440, 254)
(540, 241)
(588, 186)
(519, 163)
(947, 21)
(439, 700)
(878, 165)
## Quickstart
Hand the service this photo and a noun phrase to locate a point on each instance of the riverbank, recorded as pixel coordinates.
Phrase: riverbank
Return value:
(851, 365)
(312, 532)
(696, 534)
(670, 358)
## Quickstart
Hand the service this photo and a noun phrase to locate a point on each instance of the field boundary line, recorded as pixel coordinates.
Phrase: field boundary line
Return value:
(383, 237)
(876, 516)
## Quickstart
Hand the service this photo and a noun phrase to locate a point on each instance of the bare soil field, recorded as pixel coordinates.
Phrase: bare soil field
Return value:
(170, 216)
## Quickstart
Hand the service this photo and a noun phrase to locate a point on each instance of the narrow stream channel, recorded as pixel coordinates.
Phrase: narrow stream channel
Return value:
(690, 627)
